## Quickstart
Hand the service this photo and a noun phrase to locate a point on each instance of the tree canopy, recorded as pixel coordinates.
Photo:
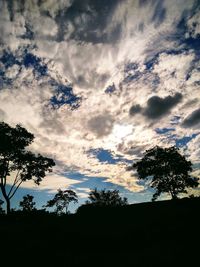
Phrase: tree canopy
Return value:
(61, 200)
(17, 162)
(168, 169)
(27, 204)
(106, 198)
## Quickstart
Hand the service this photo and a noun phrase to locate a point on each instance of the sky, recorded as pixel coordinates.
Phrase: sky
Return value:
(98, 82)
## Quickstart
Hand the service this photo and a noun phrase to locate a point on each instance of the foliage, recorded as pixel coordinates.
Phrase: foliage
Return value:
(61, 200)
(169, 171)
(27, 204)
(106, 198)
(16, 161)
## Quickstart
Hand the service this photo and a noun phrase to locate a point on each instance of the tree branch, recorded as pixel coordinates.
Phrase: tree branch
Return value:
(6, 173)
(15, 190)
(14, 183)
(3, 189)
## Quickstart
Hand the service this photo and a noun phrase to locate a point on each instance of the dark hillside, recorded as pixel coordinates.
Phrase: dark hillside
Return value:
(164, 233)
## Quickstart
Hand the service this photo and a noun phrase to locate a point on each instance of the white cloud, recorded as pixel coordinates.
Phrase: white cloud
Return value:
(173, 75)
(103, 120)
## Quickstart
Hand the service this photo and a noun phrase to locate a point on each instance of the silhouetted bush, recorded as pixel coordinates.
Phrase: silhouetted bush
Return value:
(104, 198)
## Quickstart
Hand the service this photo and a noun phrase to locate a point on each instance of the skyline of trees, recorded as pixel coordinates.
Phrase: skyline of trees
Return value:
(169, 170)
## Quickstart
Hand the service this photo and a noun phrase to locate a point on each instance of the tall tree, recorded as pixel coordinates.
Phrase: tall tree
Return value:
(106, 198)
(168, 170)
(17, 162)
(61, 200)
(27, 204)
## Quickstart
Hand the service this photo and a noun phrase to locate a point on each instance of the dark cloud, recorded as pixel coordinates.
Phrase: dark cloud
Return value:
(159, 11)
(159, 14)
(192, 120)
(51, 123)
(135, 109)
(141, 27)
(158, 106)
(89, 19)
(143, 2)
(101, 125)
(10, 5)
(29, 34)
(132, 149)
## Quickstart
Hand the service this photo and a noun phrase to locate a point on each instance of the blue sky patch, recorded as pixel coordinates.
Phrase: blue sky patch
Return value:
(64, 96)
(181, 142)
(35, 62)
(110, 89)
(106, 156)
(164, 130)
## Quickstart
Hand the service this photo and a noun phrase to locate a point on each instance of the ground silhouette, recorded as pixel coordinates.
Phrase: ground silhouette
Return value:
(161, 233)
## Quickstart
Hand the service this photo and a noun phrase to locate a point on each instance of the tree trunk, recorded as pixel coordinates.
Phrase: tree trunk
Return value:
(174, 196)
(7, 199)
(7, 205)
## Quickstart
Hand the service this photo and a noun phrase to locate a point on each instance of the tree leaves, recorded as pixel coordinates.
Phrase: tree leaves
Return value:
(61, 200)
(169, 171)
(15, 158)
(106, 198)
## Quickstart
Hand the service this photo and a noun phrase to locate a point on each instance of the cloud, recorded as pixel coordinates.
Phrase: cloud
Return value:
(87, 22)
(50, 183)
(157, 106)
(192, 120)
(100, 75)
(101, 125)
(135, 109)
(2, 115)
(159, 13)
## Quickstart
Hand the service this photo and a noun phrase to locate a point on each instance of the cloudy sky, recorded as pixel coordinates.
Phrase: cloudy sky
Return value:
(98, 82)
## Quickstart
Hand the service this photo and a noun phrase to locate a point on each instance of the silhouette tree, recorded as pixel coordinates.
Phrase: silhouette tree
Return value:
(61, 200)
(168, 169)
(1, 209)
(27, 204)
(106, 198)
(16, 163)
